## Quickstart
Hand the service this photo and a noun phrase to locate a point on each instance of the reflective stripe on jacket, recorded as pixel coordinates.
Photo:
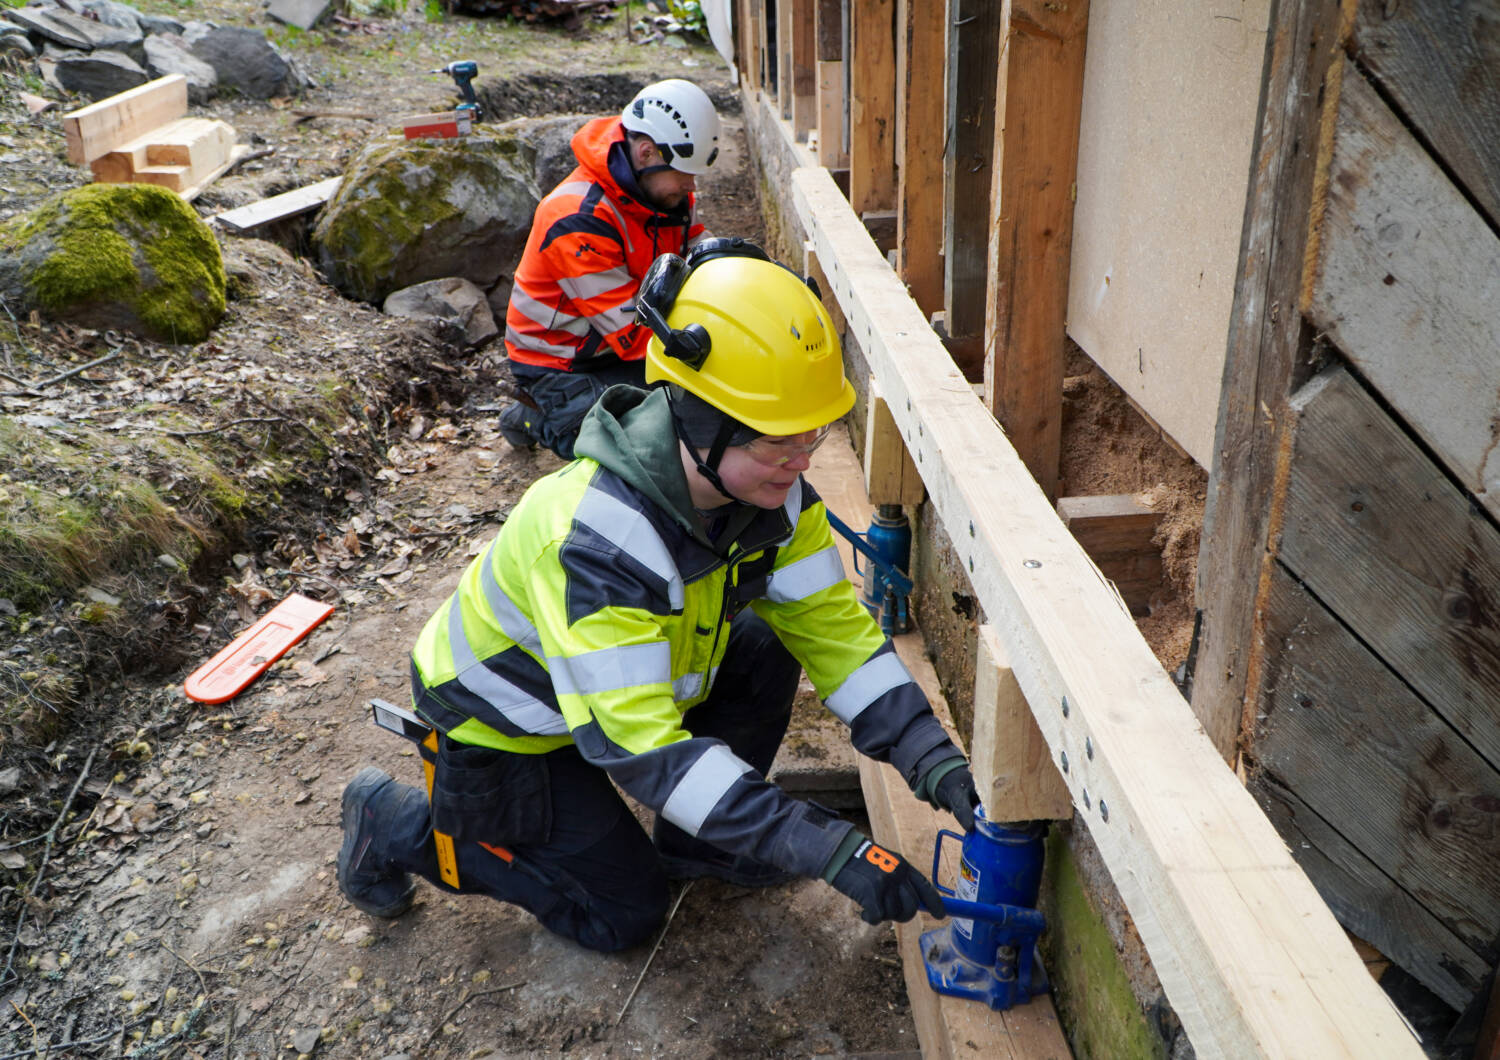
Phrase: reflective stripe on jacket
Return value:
(594, 617)
(591, 241)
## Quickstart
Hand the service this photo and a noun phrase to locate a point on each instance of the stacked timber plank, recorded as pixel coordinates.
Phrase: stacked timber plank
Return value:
(144, 136)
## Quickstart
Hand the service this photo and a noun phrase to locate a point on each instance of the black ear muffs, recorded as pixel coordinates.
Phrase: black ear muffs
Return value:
(654, 300)
(661, 284)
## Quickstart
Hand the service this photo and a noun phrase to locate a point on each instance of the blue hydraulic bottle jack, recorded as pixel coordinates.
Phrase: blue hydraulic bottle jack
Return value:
(987, 952)
(886, 547)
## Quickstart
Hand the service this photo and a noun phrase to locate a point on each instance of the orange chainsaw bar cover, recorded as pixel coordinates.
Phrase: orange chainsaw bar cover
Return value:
(248, 655)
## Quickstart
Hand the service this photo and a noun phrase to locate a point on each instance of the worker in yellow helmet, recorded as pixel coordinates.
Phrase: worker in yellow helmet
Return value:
(641, 620)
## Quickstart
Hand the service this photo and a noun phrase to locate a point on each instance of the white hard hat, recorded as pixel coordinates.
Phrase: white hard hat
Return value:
(680, 119)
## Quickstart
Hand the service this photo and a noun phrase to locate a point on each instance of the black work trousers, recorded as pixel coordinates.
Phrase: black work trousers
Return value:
(583, 865)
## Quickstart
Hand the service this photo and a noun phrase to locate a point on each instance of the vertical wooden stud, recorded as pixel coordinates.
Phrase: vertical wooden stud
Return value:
(919, 150)
(1038, 97)
(804, 68)
(872, 105)
(973, 50)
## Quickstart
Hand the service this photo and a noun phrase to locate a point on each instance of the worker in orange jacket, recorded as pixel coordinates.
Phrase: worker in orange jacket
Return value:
(570, 328)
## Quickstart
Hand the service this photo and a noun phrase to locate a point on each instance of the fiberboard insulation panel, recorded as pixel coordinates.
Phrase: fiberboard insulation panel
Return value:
(1169, 104)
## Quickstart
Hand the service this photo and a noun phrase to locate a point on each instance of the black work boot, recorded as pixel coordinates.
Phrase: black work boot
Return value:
(370, 883)
(514, 427)
(684, 857)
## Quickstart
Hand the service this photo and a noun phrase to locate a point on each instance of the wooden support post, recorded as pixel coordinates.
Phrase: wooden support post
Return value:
(872, 106)
(974, 28)
(749, 58)
(1014, 770)
(1039, 95)
(1117, 532)
(765, 45)
(783, 9)
(890, 476)
(831, 114)
(804, 68)
(920, 50)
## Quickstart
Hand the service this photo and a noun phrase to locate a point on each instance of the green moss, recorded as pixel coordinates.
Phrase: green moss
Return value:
(394, 193)
(134, 244)
(1093, 995)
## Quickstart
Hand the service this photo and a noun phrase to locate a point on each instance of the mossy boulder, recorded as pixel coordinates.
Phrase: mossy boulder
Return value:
(415, 210)
(132, 257)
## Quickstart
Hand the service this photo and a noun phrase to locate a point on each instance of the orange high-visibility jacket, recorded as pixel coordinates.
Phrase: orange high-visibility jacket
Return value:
(591, 242)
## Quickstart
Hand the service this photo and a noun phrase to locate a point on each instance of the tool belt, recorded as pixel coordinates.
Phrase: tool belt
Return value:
(463, 806)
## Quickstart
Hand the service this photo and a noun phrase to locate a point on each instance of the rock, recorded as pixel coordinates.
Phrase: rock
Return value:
(99, 75)
(72, 31)
(10, 779)
(452, 299)
(306, 1039)
(158, 24)
(244, 60)
(552, 140)
(15, 44)
(112, 13)
(167, 54)
(133, 257)
(415, 210)
(304, 14)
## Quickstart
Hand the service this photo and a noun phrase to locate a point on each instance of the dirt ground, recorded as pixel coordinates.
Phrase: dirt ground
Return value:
(178, 872)
(187, 905)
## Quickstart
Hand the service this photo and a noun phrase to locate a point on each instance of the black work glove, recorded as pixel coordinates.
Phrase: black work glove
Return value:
(955, 793)
(883, 883)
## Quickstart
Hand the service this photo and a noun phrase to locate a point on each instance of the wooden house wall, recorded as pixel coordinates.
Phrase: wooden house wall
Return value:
(1369, 645)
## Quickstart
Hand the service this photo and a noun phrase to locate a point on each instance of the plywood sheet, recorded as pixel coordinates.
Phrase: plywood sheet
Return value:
(1169, 104)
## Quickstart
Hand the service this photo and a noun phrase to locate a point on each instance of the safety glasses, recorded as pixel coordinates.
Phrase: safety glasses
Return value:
(774, 452)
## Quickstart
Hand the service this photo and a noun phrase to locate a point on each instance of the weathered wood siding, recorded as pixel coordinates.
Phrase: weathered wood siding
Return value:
(1373, 662)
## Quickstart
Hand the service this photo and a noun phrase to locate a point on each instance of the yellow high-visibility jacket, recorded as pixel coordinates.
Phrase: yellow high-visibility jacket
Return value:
(599, 615)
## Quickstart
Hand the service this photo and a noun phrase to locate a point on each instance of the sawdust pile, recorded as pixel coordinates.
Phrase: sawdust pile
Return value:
(1109, 447)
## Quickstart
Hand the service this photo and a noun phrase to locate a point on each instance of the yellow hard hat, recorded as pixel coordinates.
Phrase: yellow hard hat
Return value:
(747, 336)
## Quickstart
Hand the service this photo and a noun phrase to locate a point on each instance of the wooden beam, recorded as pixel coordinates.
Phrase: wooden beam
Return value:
(828, 30)
(1404, 277)
(1117, 532)
(101, 127)
(278, 207)
(1014, 770)
(920, 52)
(890, 476)
(872, 105)
(1438, 65)
(804, 68)
(974, 30)
(1266, 361)
(831, 114)
(948, 1028)
(1251, 959)
(1039, 97)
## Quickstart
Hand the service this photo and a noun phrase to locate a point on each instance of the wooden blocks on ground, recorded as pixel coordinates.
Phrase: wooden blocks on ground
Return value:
(1117, 531)
(143, 136)
(177, 155)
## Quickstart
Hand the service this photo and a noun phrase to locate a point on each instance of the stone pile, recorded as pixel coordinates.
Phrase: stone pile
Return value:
(97, 48)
